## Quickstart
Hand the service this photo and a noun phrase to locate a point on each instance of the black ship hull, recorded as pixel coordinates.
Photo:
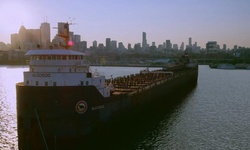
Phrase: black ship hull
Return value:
(47, 115)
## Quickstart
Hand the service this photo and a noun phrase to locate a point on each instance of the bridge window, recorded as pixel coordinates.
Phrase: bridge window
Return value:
(27, 82)
(37, 83)
(82, 82)
(87, 82)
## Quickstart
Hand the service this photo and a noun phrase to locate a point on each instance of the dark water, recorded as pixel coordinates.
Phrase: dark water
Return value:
(213, 115)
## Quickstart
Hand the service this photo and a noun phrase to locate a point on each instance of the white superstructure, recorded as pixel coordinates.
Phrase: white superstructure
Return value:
(62, 68)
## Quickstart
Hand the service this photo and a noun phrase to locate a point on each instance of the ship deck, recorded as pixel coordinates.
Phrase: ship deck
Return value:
(136, 82)
(20, 84)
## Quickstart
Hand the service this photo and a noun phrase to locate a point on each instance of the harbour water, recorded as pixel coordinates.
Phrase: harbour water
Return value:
(213, 115)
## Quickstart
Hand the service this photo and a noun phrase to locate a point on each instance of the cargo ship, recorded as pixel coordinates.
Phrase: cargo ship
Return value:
(60, 98)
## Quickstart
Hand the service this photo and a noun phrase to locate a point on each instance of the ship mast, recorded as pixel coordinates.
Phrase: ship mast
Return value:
(65, 37)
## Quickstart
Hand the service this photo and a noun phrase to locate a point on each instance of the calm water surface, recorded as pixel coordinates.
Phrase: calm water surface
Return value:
(213, 115)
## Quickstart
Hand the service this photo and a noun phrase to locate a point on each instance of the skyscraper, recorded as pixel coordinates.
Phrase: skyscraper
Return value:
(82, 45)
(26, 39)
(71, 36)
(168, 45)
(144, 41)
(175, 46)
(108, 44)
(235, 47)
(15, 41)
(190, 42)
(129, 46)
(121, 46)
(153, 43)
(212, 47)
(45, 34)
(77, 38)
(23, 34)
(182, 46)
(95, 44)
(224, 47)
(113, 45)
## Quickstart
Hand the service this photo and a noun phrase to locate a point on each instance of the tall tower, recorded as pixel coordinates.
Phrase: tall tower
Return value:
(168, 45)
(95, 44)
(224, 47)
(129, 46)
(144, 41)
(153, 43)
(108, 44)
(182, 46)
(77, 38)
(45, 34)
(113, 45)
(190, 42)
(23, 37)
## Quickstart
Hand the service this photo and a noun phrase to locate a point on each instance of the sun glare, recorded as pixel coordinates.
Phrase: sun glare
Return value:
(70, 43)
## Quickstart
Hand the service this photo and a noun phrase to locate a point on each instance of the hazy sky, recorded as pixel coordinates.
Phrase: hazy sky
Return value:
(224, 21)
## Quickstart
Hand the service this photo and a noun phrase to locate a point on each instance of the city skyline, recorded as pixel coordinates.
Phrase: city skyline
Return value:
(224, 21)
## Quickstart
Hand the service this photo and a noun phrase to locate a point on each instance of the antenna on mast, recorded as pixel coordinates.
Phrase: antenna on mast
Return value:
(71, 21)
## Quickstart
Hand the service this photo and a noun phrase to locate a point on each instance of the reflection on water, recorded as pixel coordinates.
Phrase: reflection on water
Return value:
(214, 115)
(8, 125)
